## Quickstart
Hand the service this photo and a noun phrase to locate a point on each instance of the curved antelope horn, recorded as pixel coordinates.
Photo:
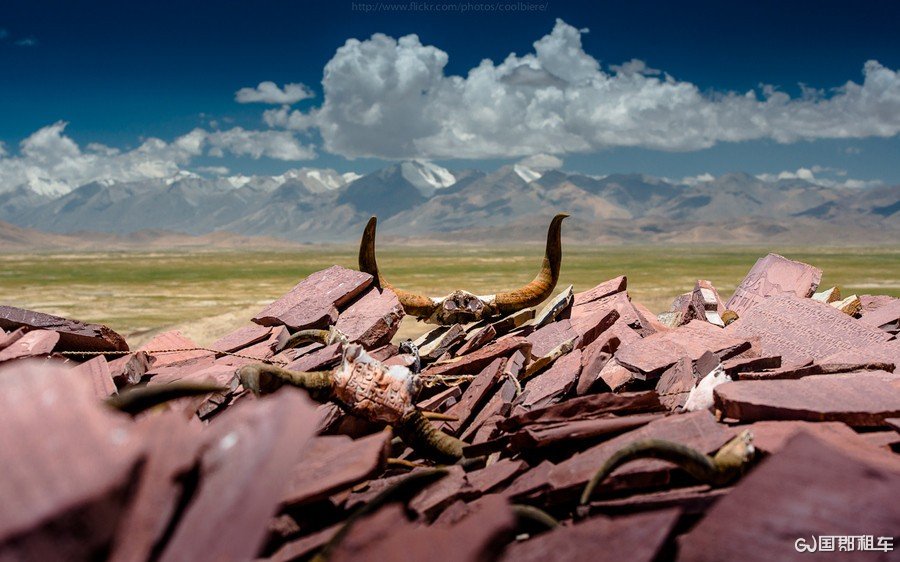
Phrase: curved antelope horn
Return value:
(414, 304)
(543, 284)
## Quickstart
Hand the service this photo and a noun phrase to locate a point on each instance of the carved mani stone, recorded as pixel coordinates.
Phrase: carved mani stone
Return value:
(774, 275)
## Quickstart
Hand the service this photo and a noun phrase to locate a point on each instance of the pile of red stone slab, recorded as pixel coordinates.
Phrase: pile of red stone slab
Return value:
(541, 398)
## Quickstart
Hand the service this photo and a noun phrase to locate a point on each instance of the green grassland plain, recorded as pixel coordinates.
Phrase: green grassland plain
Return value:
(140, 293)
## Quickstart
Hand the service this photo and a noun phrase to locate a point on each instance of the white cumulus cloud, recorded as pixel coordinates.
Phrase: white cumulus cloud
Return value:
(391, 98)
(269, 92)
(50, 162)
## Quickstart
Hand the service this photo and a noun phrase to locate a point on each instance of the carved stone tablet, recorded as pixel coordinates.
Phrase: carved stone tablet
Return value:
(800, 329)
(774, 275)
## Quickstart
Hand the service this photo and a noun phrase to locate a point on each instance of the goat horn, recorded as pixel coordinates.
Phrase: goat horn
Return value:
(416, 305)
(542, 286)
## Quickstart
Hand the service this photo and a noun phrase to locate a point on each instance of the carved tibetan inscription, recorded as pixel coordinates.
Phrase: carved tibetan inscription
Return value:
(771, 276)
(800, 330)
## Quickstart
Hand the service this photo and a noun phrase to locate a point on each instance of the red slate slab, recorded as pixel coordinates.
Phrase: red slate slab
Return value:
(373, 319)
(476, 395)
(615, 376)
(886, 353)
(550, 336)
(594, 406)
(691, 500)
(172, 448)
(130, 368)
(478, 536)
(656, 353)
(476, 361)
(676, 383)
(439, 495)
(774, 275)
(495, 475)
(314, 302)
(598, 353)
(97, 371)
(259, 351)
(705, 304)
(803, 329)
(577, 432)
(872, 302)
(695, 429)
(807, 490)
(7, 338)
(636, 538)
(857, 399)
(499, 404)
(553, 384)
(745, 364)
(68, 464)
(299, 549)
(588, 315)
(243, 475)
(32, 344)
(73, 334)
(168, 341)
(442, 400)
(317, 360)
(889, 314)
(605, 289)
(334, 463)
(242, 337)
(477, 340)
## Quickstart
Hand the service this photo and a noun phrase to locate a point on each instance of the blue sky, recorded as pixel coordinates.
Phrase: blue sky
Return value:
(119, 73)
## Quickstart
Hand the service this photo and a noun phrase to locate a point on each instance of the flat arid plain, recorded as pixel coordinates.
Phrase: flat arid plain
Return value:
(206, 294)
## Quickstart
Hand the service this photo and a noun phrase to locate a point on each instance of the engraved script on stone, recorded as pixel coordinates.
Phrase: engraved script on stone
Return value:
(800, 330)
(771, 276)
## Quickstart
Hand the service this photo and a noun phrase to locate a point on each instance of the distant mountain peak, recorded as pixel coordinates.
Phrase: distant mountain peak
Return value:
(426, 176)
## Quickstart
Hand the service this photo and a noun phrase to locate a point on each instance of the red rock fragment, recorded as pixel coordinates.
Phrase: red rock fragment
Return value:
(635, 538)
(800, 330)
(705, 304)
(886, 317)
(32, 344)
(696, 429)
(857, 399)
(97, 371)
(241, 338)
(172, 448)
(334, 463)
(603, 290)
(477, 360)
(373, 319)
(7, 338)
(479, 536)
(130, 368)
(543, 340)
(774, 275)
(243, 474)
(165, 350)
(69, 464)
(475, 396)
(73, 334)
(477, 340)
(553, 384)
(314, 302)
(652, 355)
(808, 490)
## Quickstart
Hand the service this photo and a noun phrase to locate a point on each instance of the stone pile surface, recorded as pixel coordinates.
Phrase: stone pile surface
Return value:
(541, 398)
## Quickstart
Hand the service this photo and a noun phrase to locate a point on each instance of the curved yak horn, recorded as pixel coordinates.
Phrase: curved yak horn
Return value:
(414, 304)
(542, 285)
(462, 306)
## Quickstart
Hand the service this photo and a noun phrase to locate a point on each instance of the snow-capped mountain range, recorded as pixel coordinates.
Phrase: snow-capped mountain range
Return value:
(418, 199)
